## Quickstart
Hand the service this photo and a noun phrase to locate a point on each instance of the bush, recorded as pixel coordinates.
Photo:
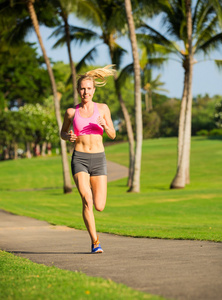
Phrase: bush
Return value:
(202, 132)
(151, 124)
(215, 132)
(169, 117)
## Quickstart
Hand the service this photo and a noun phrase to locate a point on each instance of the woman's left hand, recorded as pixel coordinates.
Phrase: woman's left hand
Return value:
(101, 122)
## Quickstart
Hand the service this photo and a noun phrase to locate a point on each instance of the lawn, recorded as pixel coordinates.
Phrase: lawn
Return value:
(34, 188)
(23, 279)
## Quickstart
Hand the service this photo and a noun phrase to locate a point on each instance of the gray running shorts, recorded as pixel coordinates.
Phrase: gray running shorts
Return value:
(92, 163)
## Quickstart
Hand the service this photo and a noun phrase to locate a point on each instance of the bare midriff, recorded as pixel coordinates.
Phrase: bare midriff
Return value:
(91, 143)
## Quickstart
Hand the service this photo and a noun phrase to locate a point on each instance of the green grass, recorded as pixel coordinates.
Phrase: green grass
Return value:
(34, 188)
(190, 213)
(23, 279)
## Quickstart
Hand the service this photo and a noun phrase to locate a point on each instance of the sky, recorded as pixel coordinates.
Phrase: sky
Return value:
(206, 76)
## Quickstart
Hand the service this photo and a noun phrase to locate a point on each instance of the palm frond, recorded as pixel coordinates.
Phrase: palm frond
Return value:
(124, 74)
(196, 10)
(206, 33)
(202, 17)
(174, 19)
(89, 11)
(155, 62)
(118, 52)
(60, 30)
(88, 58)
(80, 35)
(19, 32)
(217, 5)
(60, 42)
(157, 38)
(218, 63)
(211, 44)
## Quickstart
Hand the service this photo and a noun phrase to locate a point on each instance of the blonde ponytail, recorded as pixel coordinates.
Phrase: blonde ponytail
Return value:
(98, 76)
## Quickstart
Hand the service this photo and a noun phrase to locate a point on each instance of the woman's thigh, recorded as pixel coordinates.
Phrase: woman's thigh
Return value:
(82, 181)
(99, 191)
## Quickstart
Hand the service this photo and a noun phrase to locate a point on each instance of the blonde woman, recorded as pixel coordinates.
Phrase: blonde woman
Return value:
(88, 164)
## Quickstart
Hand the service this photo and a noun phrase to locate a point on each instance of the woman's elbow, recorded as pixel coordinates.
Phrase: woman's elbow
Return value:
(113, 136)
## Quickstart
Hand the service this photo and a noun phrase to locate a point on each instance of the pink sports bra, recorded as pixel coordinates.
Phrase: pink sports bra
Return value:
(83, 126)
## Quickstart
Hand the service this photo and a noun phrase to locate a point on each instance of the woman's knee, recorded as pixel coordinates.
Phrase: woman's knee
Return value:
(100, 205)
(87, 201)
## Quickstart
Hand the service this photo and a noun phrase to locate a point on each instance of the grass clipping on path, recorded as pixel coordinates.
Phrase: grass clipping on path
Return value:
(23, 279)
(157, 212)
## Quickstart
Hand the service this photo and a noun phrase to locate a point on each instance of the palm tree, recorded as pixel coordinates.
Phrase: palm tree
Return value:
(64, 9)
(34, 20)
(66, 174)
(135, 187)
(197, 29)
(149, 86)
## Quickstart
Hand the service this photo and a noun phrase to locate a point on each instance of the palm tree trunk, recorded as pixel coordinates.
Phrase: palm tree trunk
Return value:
(182, 176)
(43, 152)
(15, 148)
(28, 150)
(150, 101)
(6, 152)
(66, 175)
(129, 127)
(135, 187)
(72, 66)
(188, 4)
(179, 179)
(147, 101)
(130, 135)
(182, 116)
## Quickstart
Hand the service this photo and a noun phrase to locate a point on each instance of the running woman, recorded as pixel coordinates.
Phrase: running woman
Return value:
(89, 169)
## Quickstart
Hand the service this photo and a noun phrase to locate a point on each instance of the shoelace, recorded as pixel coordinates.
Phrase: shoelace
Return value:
(96, 243)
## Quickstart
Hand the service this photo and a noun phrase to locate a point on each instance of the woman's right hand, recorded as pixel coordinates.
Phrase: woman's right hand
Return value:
(71, 136)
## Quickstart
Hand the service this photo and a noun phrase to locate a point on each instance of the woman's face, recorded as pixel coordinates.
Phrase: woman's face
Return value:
(86, 90)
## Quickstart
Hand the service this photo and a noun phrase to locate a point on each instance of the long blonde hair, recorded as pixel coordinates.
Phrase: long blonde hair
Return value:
(97, 76)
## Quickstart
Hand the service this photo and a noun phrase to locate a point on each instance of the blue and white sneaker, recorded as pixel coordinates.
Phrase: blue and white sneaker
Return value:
(96, 247)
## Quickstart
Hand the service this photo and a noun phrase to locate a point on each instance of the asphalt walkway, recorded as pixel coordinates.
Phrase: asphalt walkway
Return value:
(175, 269)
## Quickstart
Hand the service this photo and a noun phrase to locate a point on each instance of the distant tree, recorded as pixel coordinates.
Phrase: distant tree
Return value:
(151, 124)
(27, 17)
(150, 86)
(169, 112)
(218, 114)
(12, 129)
(203, 114)
(21, 72)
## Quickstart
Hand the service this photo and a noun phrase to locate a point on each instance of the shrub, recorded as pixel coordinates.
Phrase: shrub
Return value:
(215, 132)
(202, 132)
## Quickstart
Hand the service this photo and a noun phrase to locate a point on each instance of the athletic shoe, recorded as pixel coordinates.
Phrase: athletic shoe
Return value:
(96, 247)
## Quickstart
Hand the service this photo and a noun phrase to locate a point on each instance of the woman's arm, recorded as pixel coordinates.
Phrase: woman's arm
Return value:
(106, 122)
(65, 134)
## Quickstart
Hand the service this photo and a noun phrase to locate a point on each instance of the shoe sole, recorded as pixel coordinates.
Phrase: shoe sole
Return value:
(98, 251)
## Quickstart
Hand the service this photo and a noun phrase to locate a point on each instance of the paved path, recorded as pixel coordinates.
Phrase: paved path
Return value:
(175, 269)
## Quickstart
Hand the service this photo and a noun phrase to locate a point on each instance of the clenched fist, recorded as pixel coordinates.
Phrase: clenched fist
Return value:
(71, 136)
(101, 122)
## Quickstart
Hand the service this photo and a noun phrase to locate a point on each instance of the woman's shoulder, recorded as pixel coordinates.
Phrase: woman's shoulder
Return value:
(102, 106)
(70, 112)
